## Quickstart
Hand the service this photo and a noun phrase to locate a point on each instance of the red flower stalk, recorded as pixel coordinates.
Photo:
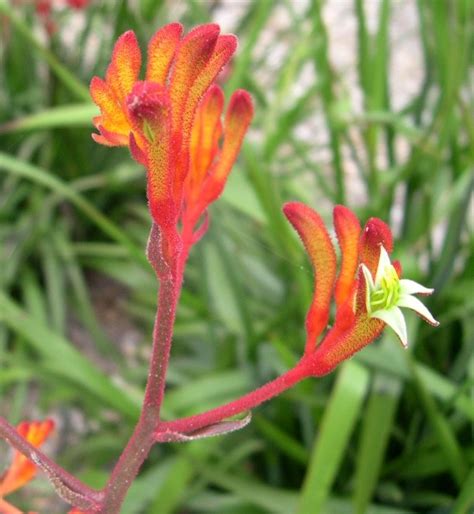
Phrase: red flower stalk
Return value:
(171, 122)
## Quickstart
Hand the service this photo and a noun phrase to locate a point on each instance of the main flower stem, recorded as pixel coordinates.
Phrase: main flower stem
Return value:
(142, 439)
(149, 428)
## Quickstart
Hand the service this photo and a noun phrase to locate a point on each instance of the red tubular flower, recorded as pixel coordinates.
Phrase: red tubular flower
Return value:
(210, 163)
(368, 290)
(77, 4)
(22, 470)
(171, 121)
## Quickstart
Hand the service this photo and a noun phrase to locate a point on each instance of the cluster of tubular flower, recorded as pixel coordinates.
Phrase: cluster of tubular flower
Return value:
(175, 125)
(172, 123)
(367, 290)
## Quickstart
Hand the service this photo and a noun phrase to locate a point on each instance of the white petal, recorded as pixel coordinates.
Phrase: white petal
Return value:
(369, 285)
(395, 320)
(412, 287)
(410, 302)
(384, 261)
(368, 277)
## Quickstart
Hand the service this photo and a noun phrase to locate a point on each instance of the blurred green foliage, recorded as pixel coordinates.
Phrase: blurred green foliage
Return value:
(391, 431)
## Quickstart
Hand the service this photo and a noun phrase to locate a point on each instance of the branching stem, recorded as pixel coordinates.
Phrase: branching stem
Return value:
(149, 427)
(142, 439)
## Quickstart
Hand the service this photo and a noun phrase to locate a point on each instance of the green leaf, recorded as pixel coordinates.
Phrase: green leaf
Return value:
(26, 170)
(340, 417)
(377, 424)
(79, 115)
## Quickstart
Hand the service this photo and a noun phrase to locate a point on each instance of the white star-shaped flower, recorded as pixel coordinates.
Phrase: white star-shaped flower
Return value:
(388, 293)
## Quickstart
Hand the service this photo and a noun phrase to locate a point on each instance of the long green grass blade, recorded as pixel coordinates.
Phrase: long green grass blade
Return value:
(25, 170)
(334, 434)
(63, 116)
(376, 426)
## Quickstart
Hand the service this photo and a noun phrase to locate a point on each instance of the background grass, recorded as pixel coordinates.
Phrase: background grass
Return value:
(390, 431)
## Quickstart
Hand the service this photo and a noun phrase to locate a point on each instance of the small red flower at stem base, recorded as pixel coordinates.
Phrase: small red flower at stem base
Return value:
(22, 470)
(368, 289)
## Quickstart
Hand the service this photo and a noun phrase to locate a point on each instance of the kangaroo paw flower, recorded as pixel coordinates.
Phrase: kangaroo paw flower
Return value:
(172, 122)
(368, 290)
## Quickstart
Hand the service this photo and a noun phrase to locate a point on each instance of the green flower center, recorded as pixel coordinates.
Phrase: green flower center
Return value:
(148, 132)
(387, 294)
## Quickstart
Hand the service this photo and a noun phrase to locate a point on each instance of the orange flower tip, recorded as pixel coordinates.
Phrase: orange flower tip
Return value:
(348, 229)
(214, 93)
(36, 431)
(209, 31)
(101, 140)
(295, 210)
(125, 64)
(127, 40)
(161, 51)
(147, 100)
(171, 29)
(241, 106)
(200, 42)
(170, 32)
(228, 44)
(109, 138)
(96, 84)
(96, 121)
(343, 216)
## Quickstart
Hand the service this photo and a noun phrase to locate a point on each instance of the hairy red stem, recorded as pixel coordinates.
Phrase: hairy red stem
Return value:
(142, 439)
(245, 403)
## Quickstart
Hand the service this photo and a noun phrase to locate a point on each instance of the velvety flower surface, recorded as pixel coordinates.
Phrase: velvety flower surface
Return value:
(368, 290)
(172, 120)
